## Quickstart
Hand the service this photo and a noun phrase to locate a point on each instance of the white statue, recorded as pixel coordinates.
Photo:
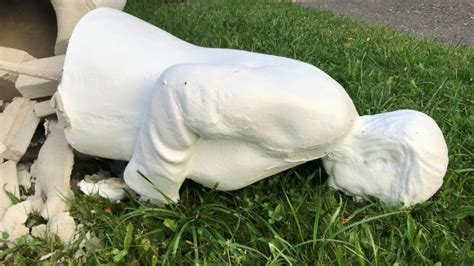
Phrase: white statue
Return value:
(130, 91)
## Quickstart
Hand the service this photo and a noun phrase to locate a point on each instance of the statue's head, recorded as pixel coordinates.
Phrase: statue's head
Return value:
(397, 157)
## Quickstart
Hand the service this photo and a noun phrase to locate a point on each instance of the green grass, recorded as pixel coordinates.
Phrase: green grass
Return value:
(293, 217)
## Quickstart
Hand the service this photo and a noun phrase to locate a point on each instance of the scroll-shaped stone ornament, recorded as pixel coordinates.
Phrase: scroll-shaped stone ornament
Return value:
(131, 91)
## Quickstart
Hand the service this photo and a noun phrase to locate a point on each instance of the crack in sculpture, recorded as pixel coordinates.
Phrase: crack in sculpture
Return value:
(177, 111)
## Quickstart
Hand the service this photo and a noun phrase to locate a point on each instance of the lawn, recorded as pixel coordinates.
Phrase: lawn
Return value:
(294, 217)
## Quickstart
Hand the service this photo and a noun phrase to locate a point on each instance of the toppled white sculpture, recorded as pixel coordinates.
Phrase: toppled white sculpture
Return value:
(131, 91)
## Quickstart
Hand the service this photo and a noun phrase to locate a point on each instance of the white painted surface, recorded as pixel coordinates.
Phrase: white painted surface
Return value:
(176, 111)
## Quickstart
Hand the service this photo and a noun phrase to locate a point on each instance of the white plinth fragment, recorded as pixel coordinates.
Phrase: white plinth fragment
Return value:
(7, 78)
(17, 126)
(8, 182)
(62, 225)
(53, 170)
(32, 87)
(110, 188)
(43, 109)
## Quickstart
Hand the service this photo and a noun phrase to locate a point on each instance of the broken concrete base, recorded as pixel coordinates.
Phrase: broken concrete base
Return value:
(17, 126)
(33, 87)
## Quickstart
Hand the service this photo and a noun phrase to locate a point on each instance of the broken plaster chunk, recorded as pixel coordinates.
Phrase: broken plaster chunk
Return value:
(36, 203)
(8, 182)
(16, 214)
(62, 225)
(53, 171)
(24, 178)
(15, 232)
(43, 109)
(111, 188)
(18, 123)
(7, 78)
(68, 13)
(39, 230)
(33, 87)
(15, 217)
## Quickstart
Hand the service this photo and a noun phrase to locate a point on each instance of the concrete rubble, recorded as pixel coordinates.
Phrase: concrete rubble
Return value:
(63, 226)
(53, 170)
(7, 78)
(9, 183)
(36, 163)
(34, 87)
(113, 188)
(18, 123)
(47, 173)
(44, 109)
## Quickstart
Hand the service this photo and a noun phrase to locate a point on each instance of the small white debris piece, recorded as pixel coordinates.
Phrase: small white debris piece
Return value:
(46, 256)
(13, 221)
(53, 171)
(24, 179)
(33, 87)
(7, 78)
(111, 188)
(39, 230)
(16, 214)
(17, 126)
(8, 182)
(44, 109)
(63, 225)
(68, 13)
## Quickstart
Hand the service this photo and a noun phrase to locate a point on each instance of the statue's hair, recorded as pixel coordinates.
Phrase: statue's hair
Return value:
(399, 156)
